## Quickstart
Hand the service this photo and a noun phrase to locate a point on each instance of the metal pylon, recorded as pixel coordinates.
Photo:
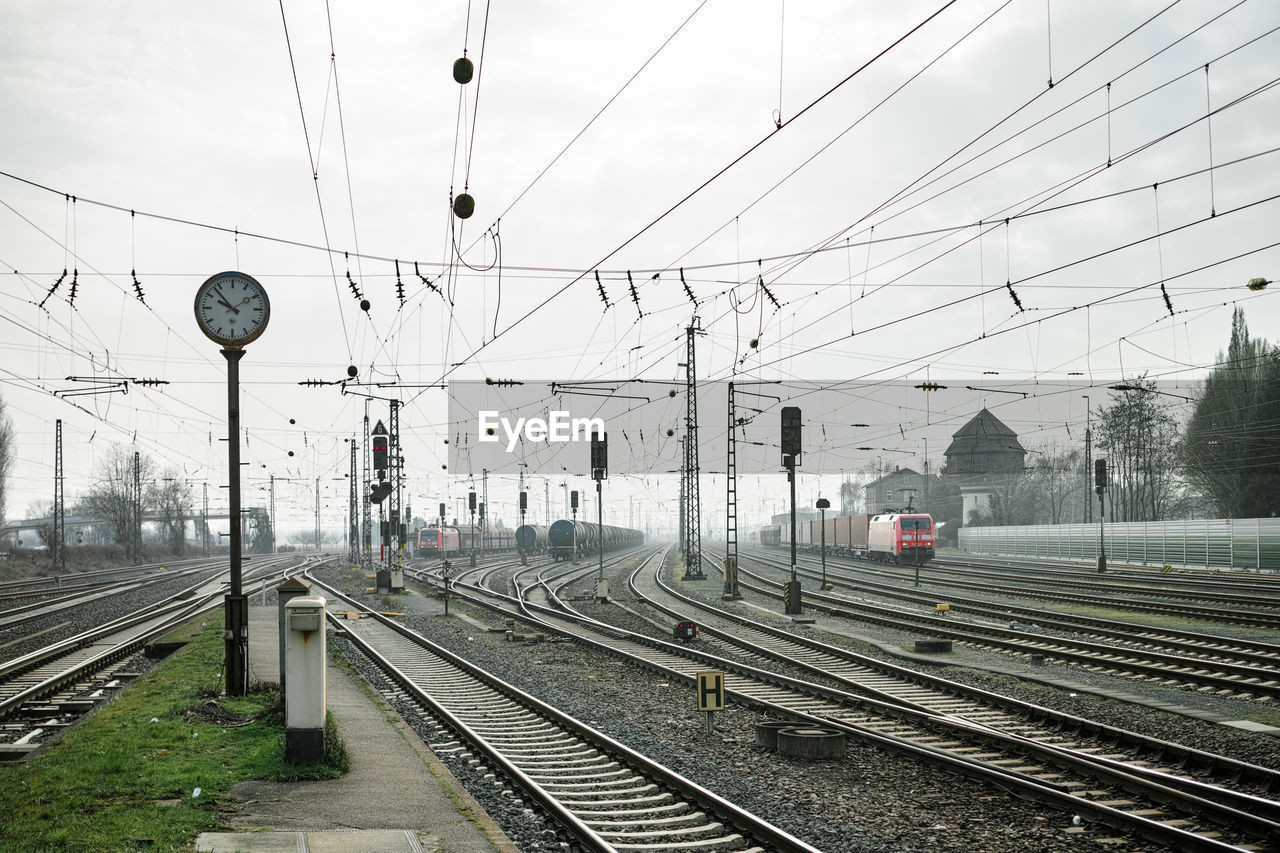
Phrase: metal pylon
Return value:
(693, 505)
(366, 515)
(135, 523)
(59, 542)
(353, 518)
(731, 505)
(395, 559)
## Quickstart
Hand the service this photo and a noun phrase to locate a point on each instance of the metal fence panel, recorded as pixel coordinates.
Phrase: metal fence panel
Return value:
(1251, 544)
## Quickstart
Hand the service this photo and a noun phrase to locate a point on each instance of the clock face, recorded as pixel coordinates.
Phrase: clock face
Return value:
(232, 308)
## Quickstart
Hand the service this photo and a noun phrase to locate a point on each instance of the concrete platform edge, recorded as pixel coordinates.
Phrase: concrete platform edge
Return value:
(466, 803)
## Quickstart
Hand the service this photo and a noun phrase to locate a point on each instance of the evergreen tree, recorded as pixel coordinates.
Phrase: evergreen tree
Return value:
(1231, 448)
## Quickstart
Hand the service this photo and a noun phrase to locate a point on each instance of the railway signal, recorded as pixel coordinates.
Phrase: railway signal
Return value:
(823, 506)
(471, 505)
(599, 472)
(1100, 485)
(379, 448)
(573, 506)
(791, 458)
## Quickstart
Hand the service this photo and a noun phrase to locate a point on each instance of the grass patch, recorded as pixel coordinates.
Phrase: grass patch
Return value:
(124, 778)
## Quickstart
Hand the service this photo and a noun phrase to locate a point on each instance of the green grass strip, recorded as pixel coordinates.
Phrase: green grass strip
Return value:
(124, 778)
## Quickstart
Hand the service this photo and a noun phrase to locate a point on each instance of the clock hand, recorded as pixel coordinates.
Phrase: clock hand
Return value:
(223, 299)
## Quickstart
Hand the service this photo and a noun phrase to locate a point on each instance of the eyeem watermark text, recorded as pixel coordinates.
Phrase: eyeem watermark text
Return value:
(558, 427)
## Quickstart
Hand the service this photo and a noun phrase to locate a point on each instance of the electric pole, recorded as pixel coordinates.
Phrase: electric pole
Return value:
(692, 504)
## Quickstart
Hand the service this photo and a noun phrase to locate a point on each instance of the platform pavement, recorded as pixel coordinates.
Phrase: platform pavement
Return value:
(396, 798)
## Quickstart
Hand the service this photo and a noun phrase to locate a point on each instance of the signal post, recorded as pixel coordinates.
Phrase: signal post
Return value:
(377, 494)
(599, 471)
(790, 459)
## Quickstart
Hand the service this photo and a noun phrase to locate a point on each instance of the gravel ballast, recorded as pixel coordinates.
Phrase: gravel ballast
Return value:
(872, 800)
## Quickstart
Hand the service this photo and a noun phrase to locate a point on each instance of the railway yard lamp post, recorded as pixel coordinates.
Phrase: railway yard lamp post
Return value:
(823, 506)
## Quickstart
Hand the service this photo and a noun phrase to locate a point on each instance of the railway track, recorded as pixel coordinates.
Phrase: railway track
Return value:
(1142, 802)
(1193, 643)
(45, 691)
(603, 795)
(80, 594)
(1078, 587)
(1250, 675)
(911, 688)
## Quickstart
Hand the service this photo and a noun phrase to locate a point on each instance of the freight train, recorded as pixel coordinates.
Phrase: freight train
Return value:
(895, 537)
(566, 538)
(451, 540)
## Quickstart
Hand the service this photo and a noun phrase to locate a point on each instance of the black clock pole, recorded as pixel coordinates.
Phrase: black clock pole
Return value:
(236, 605)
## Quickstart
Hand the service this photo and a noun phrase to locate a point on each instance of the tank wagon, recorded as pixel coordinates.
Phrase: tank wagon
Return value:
(531, 538)
(564, 535)
(896, 537)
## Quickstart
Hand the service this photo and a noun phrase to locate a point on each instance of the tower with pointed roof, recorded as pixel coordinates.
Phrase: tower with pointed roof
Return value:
(982, 453)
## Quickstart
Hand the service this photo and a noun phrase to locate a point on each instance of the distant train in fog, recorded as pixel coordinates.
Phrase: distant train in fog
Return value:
(565, 538)
(558, 540)
(895, 537)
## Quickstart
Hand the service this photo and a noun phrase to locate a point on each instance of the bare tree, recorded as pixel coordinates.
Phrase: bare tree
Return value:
(172, 502)
(1013, 500)
(1141, 441)
(42, 508)
(8, 451)
(1056, 475)
(111, 496)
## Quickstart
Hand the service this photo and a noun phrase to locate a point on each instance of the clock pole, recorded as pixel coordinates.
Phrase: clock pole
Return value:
(236, 604)
(223, 323)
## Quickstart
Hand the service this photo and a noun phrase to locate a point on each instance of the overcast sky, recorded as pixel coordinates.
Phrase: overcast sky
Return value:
(865, 183)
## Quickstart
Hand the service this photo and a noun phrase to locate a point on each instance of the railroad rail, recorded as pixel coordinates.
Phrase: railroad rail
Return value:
(1107, 790)
(601, 793)
(1082, 587)
(44, 690)
(1241, 679)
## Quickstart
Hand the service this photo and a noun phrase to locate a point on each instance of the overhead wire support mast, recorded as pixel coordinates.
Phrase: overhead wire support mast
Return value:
(395, 558)
(692, 504)
(353, 514)
(366, 513)
(731, 505)
(59, 510)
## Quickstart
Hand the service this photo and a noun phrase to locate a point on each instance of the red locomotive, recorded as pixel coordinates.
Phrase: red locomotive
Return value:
(895, 537)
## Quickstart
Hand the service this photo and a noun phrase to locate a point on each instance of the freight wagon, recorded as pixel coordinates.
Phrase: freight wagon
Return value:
(566, 538)
(531, 538)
